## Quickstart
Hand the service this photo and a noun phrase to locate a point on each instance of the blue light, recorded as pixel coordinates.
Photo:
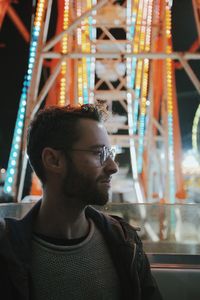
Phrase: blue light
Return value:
(20, 124)
(12, 171)
(8, 189)
(137, 93)
(13, 162)
(28, 83)
(32, 49)
(19, 131)
(10, 180)
(22, 110)
(36, 33)
(14, 154)
(37, 28)
(16, 146)
(30, 65)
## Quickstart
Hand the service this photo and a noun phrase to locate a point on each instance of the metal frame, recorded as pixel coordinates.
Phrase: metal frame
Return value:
(36, 97)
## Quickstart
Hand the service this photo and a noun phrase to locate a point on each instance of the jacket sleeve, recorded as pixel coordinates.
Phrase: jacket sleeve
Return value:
(149, 287)
(2, 227)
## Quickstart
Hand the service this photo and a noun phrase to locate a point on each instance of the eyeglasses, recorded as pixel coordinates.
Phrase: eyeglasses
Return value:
(104, 153)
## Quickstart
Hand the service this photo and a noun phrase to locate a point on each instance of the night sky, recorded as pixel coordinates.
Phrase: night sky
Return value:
(184, 34)
(13, 65)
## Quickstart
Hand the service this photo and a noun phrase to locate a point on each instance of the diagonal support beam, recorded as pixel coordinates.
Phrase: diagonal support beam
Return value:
(74, 25)
(18, 23)
(196, 9)
(190, 73)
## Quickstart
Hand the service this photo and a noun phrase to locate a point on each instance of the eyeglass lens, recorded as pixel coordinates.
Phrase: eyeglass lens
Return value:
(105, 153)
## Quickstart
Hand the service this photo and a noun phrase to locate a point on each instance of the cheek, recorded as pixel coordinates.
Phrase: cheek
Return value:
(86, 162)
(89, 169)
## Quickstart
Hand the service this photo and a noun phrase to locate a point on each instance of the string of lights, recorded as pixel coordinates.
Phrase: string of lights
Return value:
(85, 45)
(131, 15)
(131, 22)
(64, 49)
(146, 40)
(18, 131)
(170, 106)
(91, 61)
(79, 62)
(137, 65)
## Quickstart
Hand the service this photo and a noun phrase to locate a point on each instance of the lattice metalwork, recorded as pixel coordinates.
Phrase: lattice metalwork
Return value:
(121, 54)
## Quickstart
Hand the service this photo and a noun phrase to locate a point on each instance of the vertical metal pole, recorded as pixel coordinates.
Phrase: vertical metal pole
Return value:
(32, 94)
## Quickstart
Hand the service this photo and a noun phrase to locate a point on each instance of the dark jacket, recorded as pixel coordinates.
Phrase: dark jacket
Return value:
(123, 242)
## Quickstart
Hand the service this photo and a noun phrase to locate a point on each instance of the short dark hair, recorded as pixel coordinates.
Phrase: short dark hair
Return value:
(56, 127)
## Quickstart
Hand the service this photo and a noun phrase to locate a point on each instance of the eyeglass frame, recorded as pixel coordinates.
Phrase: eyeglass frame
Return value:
(104, 153)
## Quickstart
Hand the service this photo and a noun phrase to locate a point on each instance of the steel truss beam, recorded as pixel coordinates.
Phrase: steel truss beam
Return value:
(36, 98)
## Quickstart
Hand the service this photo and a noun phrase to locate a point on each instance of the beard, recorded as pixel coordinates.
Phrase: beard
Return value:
(82, 187)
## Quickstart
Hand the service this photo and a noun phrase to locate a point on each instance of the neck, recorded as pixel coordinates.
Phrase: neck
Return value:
(59, 219)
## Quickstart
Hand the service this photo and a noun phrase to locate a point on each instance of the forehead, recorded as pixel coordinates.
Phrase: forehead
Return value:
(92, 133)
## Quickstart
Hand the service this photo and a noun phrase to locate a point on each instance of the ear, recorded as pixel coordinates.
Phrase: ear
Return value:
(52, 160)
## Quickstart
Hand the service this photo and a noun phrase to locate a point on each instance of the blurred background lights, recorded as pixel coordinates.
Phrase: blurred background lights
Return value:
(3, 171)
(190, 163)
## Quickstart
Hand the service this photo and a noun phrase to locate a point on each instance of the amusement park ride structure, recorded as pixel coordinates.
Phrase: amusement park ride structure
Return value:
(117, 53)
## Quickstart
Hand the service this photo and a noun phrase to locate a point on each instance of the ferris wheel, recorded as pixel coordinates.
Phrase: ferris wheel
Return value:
(119, 53)
(196, 132)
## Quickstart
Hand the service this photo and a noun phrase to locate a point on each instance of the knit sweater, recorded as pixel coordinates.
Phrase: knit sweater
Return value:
(83, 271)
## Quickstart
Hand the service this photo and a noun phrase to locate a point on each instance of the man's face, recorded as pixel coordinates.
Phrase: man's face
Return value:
(86, 179)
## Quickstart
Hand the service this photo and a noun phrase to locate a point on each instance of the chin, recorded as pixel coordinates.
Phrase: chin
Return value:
(100, 199)
(102, 202)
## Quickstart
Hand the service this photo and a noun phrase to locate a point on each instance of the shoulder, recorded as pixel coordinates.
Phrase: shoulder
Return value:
(129, 229)
(124, 223)
(112, 224)
(9, 227)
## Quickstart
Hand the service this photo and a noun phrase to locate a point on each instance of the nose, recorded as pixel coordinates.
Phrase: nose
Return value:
(111, 166)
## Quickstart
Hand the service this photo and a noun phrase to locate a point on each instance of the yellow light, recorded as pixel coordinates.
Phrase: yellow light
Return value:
(64, 49)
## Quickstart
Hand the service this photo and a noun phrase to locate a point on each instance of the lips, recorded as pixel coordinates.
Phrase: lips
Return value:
(106, 180)
(106, 183)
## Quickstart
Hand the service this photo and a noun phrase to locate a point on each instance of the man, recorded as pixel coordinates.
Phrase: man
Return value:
(64, 248)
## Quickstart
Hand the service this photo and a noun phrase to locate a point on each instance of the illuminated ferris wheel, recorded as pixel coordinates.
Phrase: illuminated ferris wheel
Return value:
(196, 132)
(119, 53)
